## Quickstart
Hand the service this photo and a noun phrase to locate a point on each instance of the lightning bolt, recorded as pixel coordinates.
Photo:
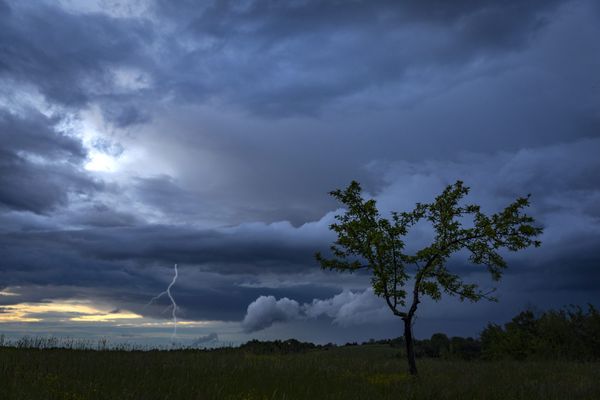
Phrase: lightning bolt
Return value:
(173, 304)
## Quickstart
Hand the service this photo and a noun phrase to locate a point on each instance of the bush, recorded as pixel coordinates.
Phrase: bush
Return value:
(568, 334)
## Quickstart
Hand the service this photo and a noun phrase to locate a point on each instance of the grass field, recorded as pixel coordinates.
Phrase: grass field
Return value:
(358, 372)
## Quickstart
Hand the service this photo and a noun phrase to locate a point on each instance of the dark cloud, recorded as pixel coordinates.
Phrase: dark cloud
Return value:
(4, 8)
(221, 121)
(265, 169)
(36, 134)
(100, 215)
(294, 58)
(73, 59)
(244, 249)
(486, 21)
(40, 166)
(123, 114)
(120, 264)
(269, 58)
(164, 194)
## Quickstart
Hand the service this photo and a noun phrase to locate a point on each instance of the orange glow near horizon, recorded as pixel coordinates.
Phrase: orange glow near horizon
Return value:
(76, 311)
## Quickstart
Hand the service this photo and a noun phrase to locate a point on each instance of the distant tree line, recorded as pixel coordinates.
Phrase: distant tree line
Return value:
(438, 346)
(568, 334)
(278, 346)
(571, 333)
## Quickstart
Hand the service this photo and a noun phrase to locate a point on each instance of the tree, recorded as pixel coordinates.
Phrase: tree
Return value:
(366, 240)
(571, 333)
(440, 344)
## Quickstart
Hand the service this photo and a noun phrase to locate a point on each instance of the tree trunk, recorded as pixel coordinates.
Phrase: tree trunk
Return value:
(410, 346)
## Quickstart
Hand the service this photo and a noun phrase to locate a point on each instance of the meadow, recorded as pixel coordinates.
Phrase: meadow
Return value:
(351, 372)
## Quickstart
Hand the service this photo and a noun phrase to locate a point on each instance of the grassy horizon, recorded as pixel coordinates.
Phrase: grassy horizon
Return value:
(355, 372)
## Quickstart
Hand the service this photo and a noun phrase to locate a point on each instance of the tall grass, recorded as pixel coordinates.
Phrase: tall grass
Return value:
(356, 372)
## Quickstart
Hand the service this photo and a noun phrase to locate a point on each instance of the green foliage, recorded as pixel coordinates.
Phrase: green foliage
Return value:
(455, 348)
(436, 347)
(440, 344)
(367, 240)
(568, 334)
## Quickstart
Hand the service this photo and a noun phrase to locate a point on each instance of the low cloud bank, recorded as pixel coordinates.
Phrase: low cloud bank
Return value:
(266, 310)
(346, 308)
(205, 339)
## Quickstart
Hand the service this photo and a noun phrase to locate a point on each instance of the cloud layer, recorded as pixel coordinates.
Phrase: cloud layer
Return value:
(136, 134)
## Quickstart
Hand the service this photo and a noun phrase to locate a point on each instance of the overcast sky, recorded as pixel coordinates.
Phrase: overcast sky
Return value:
(139, 134)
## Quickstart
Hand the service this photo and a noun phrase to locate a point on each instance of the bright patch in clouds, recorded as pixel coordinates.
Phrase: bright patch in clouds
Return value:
(66, 311)
(102, 153)
(101, 162)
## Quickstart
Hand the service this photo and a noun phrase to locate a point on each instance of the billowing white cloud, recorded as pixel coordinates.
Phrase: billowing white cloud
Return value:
(344, 309)
(266, 310)
(350, 308)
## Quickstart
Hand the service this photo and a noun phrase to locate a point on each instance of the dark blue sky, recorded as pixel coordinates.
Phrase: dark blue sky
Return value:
(138, 134)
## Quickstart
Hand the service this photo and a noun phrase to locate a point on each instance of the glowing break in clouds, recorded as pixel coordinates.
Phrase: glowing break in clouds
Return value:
(65, 310)
(173, 304)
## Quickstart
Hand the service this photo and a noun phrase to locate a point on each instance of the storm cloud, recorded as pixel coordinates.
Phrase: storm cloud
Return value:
(139, 134)
(39, 165)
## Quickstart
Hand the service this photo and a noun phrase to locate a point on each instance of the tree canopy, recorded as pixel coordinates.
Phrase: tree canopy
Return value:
(367, 240)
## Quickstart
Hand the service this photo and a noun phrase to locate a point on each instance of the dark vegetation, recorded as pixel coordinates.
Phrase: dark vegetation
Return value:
(553, 355)
(570, 334)
(348, 372)
(368, 241)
